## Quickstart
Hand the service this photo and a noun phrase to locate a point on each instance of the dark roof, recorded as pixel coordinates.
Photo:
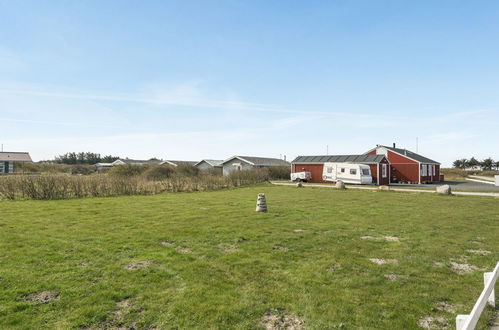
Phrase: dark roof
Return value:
(181, 162)
(411, 155)
(339, 159)
(14, 156)
(260, 161)
(211, 162)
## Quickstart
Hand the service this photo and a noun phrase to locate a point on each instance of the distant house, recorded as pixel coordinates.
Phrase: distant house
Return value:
(8, 161)
(127, 161)
(238, 163)
(210, 164)
(179, 162)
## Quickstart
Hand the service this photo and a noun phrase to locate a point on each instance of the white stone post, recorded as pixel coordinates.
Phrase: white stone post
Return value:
(261, 203)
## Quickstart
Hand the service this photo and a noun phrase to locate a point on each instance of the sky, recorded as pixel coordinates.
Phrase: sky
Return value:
(192, 80)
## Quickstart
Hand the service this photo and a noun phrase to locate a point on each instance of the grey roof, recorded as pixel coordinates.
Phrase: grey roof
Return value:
(339, 159)
(14, 157)
(260, 161)
(412, 155)
(211, 162)
(139, 162)
(181, 162)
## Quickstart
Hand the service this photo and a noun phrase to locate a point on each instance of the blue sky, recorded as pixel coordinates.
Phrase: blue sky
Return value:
(203, 79)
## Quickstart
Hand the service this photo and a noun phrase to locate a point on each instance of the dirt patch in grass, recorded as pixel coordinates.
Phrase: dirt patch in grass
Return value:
(383, 261)
(228, 248)
(280, 320)
(437, 264)
(138, 265)
(462, 268)
(123, 309)
(333, 268)
(385, 238)
(183, 250)
(280, 248)
(43, 297)
(84, 264)
(298, 231)
(396, 277)
(480, 251)
(433, 322)
(168, 243)
(445, 307)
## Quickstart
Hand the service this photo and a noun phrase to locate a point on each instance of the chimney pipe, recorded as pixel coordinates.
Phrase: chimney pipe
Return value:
(394, 144)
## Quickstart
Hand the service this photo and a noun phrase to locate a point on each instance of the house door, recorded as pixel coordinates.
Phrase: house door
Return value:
(6, 167)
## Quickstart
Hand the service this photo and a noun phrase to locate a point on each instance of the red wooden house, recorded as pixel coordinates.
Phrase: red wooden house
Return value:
(407, 166)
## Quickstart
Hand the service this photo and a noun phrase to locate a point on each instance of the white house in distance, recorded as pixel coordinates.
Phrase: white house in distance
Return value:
(125, 161)
(8, 160)
(210, 164)
(238, 163)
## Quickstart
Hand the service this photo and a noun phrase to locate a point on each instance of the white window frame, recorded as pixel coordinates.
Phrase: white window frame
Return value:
(430, 170)
(423, 170)
(384, 170)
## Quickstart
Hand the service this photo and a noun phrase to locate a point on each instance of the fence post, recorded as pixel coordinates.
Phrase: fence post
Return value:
(492, 298)
(460, 321)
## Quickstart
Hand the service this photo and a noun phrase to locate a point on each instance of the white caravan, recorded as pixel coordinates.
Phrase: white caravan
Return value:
(347, 172)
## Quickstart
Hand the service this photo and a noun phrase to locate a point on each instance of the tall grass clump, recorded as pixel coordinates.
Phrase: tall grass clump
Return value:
(148, 181)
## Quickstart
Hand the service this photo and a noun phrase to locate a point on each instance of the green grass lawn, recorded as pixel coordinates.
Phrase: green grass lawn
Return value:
(224, 266)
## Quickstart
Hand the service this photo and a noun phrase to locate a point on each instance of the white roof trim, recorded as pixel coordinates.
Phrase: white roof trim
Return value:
(168, 162)
(237, 157)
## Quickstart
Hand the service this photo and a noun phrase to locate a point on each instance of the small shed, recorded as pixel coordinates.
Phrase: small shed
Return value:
(210, 165)
(238, 163)
(378, 164)
(8, 160)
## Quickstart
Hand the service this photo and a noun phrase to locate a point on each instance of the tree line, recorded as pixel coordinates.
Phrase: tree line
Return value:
(486, 164)
(90, 158)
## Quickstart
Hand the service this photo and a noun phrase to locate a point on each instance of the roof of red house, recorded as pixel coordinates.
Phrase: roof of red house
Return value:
(411, 155)
(339, 159)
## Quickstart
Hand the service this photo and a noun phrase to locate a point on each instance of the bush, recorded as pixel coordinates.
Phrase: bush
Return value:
(63, 186)
(127, 170)
(81, 169)
(158, 172)
(489, 173)
(187, 170)
(279, 172)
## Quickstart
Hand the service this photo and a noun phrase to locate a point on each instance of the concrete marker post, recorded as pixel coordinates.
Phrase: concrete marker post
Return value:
(261, 203)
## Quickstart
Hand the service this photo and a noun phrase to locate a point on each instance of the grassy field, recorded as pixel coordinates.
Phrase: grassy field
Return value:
(207, 260)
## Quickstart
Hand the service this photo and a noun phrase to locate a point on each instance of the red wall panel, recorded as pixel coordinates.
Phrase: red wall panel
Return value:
(314, 169)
